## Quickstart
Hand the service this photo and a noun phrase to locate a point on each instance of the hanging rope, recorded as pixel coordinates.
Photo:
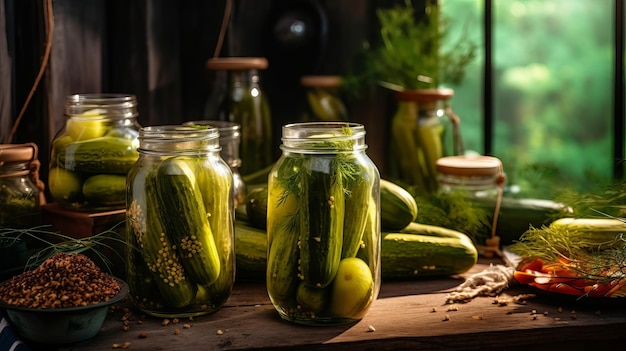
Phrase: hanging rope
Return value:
(44, 63)
(224, 27)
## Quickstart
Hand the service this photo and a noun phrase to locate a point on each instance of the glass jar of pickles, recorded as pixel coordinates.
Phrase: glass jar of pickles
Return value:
(423, 129)
(323, 102)
(323, 225)
(179, 223)
(92, 153)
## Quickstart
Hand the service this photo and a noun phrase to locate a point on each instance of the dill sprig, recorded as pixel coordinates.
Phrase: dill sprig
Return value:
(46, 243)
(295, 170)
(609, 200)
(600, 259)
(454, 210)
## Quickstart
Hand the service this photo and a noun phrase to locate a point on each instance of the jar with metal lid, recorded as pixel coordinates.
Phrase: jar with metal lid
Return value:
(21, 197)
(481, 179)
(180, 223)
(229, 140)
(93, 152)
(323, 102)
(245, 103)
(323, 225)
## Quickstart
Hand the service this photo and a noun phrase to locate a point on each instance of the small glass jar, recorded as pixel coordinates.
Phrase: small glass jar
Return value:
(179, 223)
(323, 102)
(323, 225)
(230, 138)
(481, 180)
(478, 176)
(246, 104)
(93, 152)
(21, 197)
(20, 187)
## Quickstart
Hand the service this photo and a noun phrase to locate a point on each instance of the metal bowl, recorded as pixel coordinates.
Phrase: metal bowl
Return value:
(60, 326)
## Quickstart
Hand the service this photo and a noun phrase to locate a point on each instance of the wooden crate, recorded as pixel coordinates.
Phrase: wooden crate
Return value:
(84, 224)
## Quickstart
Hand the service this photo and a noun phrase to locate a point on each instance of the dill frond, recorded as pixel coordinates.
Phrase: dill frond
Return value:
(46, 243)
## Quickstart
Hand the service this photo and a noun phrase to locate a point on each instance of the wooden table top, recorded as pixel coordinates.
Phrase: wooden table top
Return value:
(409, 315)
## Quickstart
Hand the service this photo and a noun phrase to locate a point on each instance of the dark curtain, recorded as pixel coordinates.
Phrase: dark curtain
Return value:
(157, 50)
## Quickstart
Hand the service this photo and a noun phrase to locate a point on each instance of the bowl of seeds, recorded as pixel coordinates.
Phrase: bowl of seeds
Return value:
(65, 300)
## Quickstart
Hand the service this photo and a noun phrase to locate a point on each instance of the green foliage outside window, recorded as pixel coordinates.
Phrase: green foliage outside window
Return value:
(552, 90)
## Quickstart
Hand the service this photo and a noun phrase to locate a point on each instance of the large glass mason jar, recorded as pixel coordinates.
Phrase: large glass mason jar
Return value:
(93, 152)
(323, 225)
(179, 223)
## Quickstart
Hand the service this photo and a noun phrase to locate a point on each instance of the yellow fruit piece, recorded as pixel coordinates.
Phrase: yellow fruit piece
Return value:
(352, 289)
(64, 185)
(88, 125)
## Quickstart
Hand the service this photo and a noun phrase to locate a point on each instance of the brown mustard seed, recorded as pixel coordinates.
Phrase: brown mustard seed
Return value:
(66, 280)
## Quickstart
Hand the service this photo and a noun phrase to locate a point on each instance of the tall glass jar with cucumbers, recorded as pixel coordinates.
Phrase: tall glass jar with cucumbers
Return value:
(179, 223)
(423, 129)
(92, 153)
(323, 225)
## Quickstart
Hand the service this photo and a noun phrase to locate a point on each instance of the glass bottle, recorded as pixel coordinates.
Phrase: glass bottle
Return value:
(323, 102)
(323, 225)
(422, 131)
(229, 140)
(92, 153)
(179, 223)
(246, 104)
(21, 197)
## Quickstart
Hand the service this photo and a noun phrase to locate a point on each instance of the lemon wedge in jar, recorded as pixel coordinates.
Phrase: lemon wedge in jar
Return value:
(88, 125)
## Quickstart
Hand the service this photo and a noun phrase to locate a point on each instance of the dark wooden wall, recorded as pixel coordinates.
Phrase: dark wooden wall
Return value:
(157, 50)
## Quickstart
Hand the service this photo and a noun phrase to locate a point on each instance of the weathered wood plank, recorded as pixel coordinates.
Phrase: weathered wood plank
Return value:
(407, 315)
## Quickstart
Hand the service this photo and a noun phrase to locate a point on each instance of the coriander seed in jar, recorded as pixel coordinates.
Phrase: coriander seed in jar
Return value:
(323, 225)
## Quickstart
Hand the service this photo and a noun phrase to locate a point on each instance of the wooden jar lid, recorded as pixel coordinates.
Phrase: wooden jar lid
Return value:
(236, 63)
(17, 152)
(425, 95)
(321, 81)
(470, 166)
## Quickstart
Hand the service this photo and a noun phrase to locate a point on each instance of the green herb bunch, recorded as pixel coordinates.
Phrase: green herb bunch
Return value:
(407, 54)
